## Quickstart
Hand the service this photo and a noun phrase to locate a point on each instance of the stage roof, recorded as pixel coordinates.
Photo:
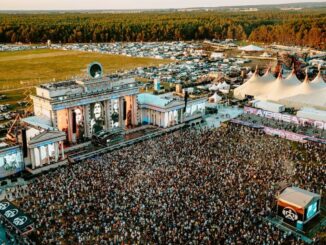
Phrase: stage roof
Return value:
(298, 197)
(38, 122)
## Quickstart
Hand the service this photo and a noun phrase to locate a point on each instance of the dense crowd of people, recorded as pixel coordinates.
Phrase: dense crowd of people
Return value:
(204, 186)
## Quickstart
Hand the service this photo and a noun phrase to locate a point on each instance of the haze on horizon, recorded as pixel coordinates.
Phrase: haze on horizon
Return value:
(130, 4)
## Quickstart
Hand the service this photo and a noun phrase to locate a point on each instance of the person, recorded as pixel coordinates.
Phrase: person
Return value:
(97, 122)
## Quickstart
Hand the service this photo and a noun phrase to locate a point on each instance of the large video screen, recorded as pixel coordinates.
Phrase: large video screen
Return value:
(312, 210)
(97, 117)
(79, 122)
(115, 113)
(11, 162)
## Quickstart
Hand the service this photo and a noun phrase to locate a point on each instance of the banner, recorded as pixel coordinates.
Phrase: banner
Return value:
(285, 117)
(14, 215)
(280, 133)
(285, 134)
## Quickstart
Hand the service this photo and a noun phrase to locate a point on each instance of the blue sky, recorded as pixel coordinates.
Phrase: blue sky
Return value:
(128, 4)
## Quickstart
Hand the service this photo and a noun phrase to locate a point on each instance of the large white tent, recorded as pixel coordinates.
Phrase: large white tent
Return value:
(251, 48)
(255, 86)
(289, 91)
(318, 81)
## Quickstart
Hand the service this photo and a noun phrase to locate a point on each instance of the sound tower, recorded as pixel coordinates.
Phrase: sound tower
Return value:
(124, 110)
(186, 101)
(24, 139)
(74, 123)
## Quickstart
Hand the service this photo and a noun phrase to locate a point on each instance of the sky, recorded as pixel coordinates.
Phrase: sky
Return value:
(129, 4)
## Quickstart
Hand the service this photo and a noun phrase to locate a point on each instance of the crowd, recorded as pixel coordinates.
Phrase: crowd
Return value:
(199, 186)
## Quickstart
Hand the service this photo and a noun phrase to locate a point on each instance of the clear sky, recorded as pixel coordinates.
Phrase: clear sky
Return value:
(128, 4)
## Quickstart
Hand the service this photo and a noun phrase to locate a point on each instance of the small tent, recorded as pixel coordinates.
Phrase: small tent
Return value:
(251, 48)
(215, 98)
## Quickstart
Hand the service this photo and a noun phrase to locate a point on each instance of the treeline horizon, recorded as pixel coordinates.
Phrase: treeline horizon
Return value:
(303, 28)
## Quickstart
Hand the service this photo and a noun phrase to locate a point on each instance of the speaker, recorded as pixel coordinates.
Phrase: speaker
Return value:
(124, 110)
(24, 138)
(74, 123)
(186, 101)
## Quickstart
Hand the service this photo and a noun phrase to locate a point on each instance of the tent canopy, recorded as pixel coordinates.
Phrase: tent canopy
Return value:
(251, 48)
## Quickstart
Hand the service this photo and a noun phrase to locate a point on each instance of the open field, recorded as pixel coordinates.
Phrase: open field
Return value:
(24, 69)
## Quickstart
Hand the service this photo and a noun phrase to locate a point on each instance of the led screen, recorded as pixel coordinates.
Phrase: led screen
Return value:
(115, 113)
(97, 117)
(11, 162)
(79, 122)
(312, 210)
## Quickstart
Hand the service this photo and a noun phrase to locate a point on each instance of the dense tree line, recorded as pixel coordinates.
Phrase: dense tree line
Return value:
(307, 28)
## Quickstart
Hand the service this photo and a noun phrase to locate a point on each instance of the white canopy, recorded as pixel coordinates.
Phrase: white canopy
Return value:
(290, 91)
(251, 48)
(215, 98)
(214, 87)
(318, 82)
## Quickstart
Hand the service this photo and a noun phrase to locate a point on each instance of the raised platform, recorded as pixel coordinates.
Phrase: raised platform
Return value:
(144, 133)
(46, 167)
(307, 235)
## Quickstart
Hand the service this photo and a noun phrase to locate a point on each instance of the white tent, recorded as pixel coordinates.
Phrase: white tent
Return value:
(224, 86)
(215, 98)
(290, 91)
(251, 48)
(214, 87)
(292, 79)
(318, 82)
(316, 99)
(312, 114)
(268, 76)
(254, 86)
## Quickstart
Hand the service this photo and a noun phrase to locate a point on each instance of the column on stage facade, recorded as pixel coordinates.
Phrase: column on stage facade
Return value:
(56, 151)
(32, 153)
(107, 114)
(62, 150)
(134, 111)
(87, 121)
(39, 155)
(121, 112)
(47, 154)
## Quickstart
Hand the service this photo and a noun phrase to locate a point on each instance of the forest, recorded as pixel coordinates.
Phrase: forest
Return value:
(304, 28)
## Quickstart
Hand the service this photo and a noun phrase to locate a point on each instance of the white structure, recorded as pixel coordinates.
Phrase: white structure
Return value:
(157, 84)
(215, 98)
(251, 48)
(168, 110)
(289, 91)
(313, 114)
(256, 85)
(269, 106)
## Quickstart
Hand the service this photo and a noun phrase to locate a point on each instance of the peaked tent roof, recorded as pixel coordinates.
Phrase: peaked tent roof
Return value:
(251, 48)
(215, 97)
(315, 99)
(318, 81)
(277, 89)
(292, 79)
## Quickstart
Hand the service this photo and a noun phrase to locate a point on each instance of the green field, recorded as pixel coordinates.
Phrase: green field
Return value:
(21, 70)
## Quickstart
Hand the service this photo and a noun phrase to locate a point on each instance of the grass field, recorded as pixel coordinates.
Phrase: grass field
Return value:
(22, 70)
